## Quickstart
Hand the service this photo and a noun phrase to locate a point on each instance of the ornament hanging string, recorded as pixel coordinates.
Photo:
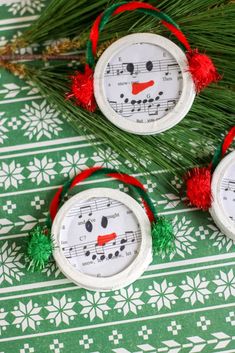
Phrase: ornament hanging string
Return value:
(40, 245)
(200, 66)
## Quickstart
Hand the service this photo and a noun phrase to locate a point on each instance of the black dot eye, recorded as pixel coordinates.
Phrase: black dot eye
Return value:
(89, 226)
(149, 65)
(104, 222)
(130, 68)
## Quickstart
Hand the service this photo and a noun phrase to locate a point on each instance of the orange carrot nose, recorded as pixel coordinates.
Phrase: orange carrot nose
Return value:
(103, 239)
(138, 87)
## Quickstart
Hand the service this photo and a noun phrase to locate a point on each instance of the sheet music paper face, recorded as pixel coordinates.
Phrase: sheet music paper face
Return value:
(227, 192)
(143, 82)
(100, 237)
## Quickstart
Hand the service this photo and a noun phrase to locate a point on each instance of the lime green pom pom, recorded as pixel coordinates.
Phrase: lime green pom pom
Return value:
(163, 236)
(39, 248)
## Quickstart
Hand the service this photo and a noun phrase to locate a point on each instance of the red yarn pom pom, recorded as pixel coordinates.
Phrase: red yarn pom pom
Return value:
(202, 69)
(83, 90)
(198, 187)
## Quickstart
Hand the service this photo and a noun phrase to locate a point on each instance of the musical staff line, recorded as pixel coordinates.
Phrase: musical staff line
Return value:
(142, 67)
(143, 106)
(93, 206)
(89, 248)
(228, 185)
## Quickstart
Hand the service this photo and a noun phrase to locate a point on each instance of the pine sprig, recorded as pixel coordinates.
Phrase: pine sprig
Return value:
(208, 24)
(169, 150)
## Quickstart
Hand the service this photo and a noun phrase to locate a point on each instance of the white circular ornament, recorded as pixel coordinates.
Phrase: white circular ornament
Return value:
(223, 194)
(102, 239)
(142, 84)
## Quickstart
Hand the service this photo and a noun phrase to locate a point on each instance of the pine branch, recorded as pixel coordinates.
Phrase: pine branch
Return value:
(207, 23)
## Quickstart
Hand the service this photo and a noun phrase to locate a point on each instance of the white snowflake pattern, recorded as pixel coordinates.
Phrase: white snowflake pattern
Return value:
(40, 120)
(10, 265)
(162, 295)
(195, 289)
(42, 170)
(25, 6)
(51, 269)
(3, 129)
(60, 310)
(11, 175)
(220, 240)
(225, 284)
(128, 300)
(72, 164)
(3, 323)
(183, 241)
(105, 158)
(27, 315)
(94, 305)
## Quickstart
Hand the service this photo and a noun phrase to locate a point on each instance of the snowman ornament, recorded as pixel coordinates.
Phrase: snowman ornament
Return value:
(101, 238)
(213, 188)
(143, 83)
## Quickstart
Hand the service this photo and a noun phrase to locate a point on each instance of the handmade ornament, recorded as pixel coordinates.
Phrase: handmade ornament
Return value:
(143, 83)
(101, 238)
(213, 187)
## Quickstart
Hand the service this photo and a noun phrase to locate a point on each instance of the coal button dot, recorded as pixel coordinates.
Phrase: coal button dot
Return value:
(122, 247)
(102, 257)
(110, 256)
(87, 253)
(116, 253)
(93, 257)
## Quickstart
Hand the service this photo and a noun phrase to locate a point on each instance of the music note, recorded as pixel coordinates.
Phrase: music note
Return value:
(99, 249)
(170, 104)
(84, 210)
(130, 236)
(86, 251)
(153, 109)
(231, 186)
(69, 255)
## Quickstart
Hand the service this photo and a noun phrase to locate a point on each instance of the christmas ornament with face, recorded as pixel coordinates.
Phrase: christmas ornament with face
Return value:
(102, 238)
(143, 83)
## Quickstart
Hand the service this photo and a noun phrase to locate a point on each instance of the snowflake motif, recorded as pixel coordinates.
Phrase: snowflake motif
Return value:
(23, 6)
(105, 158)
(51, 270)
(183, 241)
(94, 305)
(72, 164)
(3, 129)
(42, 170)
(40, 120)
(225, 284)
(195, 289)
(162, 295)
(220, 240)
(3, 322)
(9, 207)
(27, 315)
(60, 310)
(128, 300)
(10, 175)
(10, 266)
(27, 349)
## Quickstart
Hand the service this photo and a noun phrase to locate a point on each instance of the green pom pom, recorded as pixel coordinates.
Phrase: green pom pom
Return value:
(163, 236)
(39, 248)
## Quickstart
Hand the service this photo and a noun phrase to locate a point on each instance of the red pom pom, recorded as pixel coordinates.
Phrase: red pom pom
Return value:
(198, 187)
(83, 90)
(202, 69)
